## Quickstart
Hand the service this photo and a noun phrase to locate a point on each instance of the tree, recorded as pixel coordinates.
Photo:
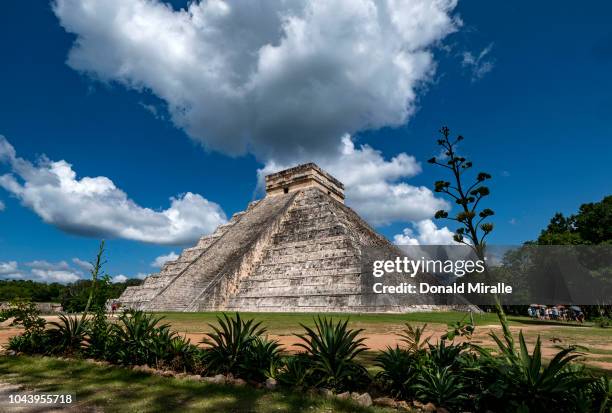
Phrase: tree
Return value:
(594, 221)
(472, 229)
(592, 225)
(72, 295)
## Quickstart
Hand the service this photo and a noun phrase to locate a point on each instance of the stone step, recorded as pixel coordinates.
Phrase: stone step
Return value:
(329, 263)
(305, 278)
(281, 258)
(309, 234)
(302, 273)
(341, 302)
(299, 290)
(309, 244)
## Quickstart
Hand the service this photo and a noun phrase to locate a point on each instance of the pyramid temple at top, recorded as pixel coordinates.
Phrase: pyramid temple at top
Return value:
(299, 249)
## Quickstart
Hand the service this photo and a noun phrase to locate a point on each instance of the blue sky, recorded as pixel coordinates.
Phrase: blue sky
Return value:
(527, 83)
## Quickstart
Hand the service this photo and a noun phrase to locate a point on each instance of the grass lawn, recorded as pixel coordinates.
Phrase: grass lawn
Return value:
(290, 322)
(117, 389)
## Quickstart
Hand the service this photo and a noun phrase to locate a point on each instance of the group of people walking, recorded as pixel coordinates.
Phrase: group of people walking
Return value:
(556, 312)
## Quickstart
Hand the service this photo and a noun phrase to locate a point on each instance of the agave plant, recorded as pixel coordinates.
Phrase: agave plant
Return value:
(519, 380)
(69, 334)
(137, 335)
(262, 359)
(399, 369)
(160, 346)
(230, 343)
(180, 354)
(601, 395)
(440, 386)
(539, 386)
(296, 371)
(332, 349)
(443, 355)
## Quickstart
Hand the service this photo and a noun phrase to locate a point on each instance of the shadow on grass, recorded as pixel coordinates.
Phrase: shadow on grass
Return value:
(115, 388)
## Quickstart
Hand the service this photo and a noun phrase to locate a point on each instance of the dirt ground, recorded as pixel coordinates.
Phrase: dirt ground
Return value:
(598, 342)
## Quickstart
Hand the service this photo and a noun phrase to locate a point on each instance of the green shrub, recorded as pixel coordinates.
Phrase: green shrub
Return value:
(295, 371)
(441, 386)
(136, 337)
(529, 384)
(69, 334)
(442, 355)
(180, 354)
(262, 360)
(160, 347)
(519, 381)
(25, 314)
(33, 342)
(423, 369)
(232, 343)
(100, 340)
(603, 322)
(599, 395)
(400, 368)
(332, 349)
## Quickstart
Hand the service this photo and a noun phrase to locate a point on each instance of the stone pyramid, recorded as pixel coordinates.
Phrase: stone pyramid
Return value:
(299, 249)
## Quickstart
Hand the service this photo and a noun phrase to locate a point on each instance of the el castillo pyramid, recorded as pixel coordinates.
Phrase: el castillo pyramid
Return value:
(299, 249)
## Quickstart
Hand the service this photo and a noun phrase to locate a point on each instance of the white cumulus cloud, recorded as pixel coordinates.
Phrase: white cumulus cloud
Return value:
(94, 206)
(162, 259)
(46, 271)
(60, 276)
(427, 233)
(286, 81)
(374, 186)
(280, 79)
(2, 206)
(8, 268)
(82, 264)
(119, 278)
(40, 270)
(46, 265)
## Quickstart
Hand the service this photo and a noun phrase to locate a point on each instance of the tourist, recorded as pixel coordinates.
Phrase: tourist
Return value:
(531, 312)
(554, 313)
(542, 313)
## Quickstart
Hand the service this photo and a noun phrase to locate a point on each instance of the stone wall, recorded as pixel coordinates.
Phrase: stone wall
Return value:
(302, 177)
